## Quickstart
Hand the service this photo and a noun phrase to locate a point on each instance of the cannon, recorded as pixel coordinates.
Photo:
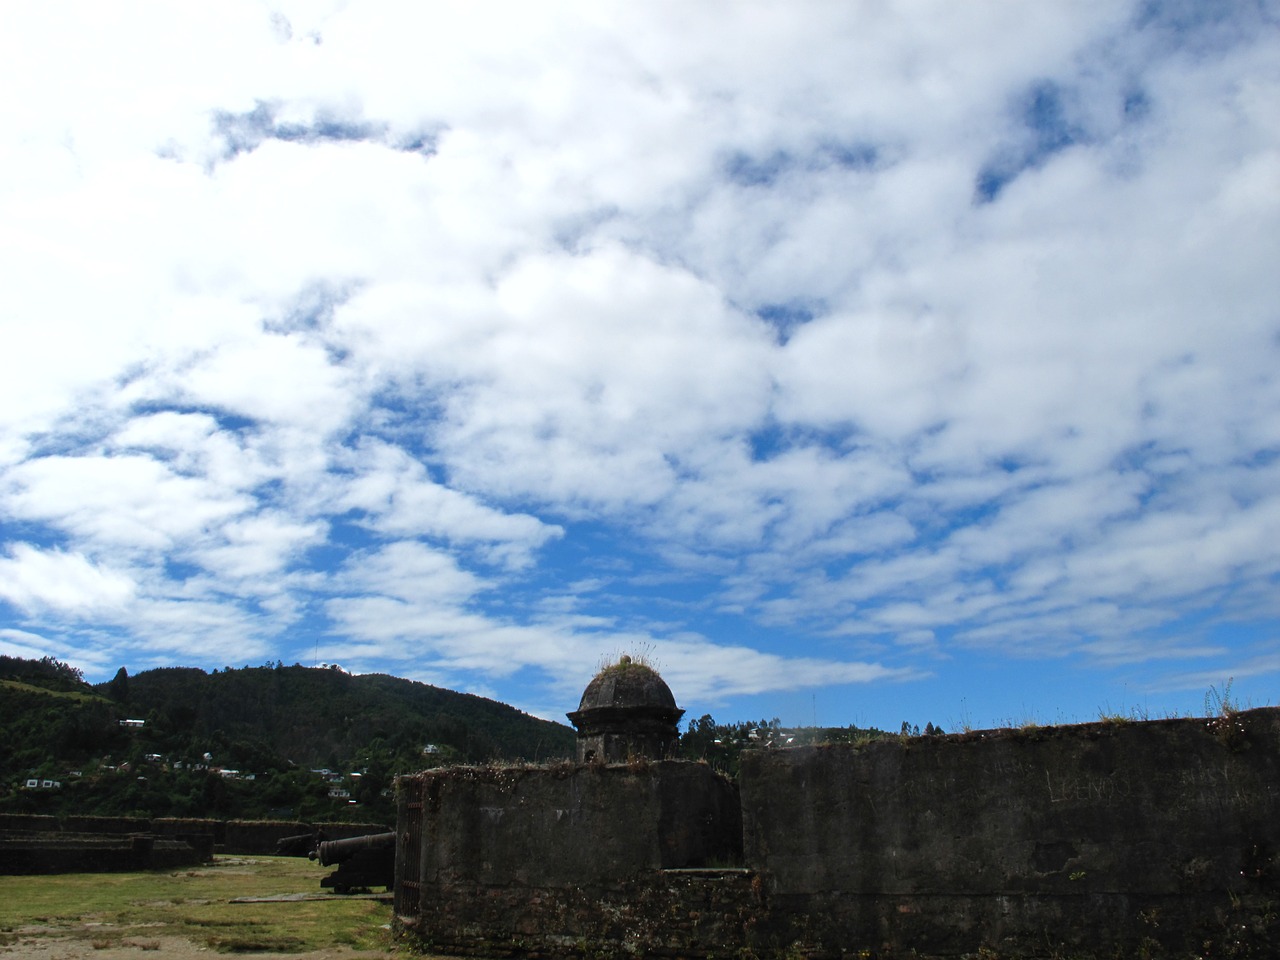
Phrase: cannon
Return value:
(299, 845)
(363, 862)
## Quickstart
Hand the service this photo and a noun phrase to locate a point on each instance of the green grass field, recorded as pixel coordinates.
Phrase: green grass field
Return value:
(109, 909)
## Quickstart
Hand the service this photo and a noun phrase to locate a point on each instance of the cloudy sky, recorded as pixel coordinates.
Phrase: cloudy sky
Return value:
(853, 362)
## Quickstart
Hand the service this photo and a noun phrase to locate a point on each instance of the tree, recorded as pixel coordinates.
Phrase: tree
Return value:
(69, 675)
(118, 688)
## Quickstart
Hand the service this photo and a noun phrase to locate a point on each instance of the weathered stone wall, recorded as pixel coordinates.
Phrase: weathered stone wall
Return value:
(33, 843)
(28, 823)
(1083, 838)
(259, 837)
(662, 913)
(1100, 840)
(571, 858)
(341, 831)
(570, 825)
(95, 853)
(165, 826)
(169, 826)
(120, 825)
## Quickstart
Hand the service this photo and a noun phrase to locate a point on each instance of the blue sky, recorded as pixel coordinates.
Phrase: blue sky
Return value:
(852, 362)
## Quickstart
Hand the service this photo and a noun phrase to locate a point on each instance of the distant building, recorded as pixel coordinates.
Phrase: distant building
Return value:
(227, 774)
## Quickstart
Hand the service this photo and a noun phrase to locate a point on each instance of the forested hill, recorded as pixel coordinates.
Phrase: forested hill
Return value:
(240, 742)
(324, 716)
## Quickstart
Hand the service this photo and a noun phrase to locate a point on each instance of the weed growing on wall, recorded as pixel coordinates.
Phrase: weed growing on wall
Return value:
(1220, 704)
(1225, 721)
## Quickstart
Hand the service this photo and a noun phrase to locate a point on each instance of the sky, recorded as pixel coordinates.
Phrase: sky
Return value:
(852, 363)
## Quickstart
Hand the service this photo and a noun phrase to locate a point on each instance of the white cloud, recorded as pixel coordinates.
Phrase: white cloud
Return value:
(927, 328)
(36, 580)
(193, 445)
(412, 572)
(270, 377)
(400, 499)
(117, 501)
(891, 376)
(20, 643)
(592, 369)
(258, 546)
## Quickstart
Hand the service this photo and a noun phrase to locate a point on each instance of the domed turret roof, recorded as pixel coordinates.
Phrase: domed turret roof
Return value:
(627, 684)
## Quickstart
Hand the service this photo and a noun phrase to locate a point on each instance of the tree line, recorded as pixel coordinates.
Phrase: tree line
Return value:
(282, 742)
(241, 743)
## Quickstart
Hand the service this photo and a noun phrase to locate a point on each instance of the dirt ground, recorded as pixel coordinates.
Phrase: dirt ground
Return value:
(35, 943)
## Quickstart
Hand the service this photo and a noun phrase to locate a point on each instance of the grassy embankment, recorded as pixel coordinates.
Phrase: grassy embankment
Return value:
(116, 909)
(21, 687)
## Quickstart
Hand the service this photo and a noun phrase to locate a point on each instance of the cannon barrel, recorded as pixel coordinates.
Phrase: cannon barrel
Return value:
(329, 852)
(299, 845)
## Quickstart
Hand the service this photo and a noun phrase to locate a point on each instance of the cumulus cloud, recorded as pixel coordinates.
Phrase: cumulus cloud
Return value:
(124, 501)
(808, 346)
(397, 497)
(33, 580)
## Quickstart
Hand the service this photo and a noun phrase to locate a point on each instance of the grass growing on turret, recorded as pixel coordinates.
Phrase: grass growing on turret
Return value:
(627, 662)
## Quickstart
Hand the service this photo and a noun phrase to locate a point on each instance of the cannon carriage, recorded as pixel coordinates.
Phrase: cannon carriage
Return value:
(363, 862)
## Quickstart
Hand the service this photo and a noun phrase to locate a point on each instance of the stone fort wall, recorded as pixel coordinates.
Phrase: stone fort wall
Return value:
(41, 844)
(1100, 840)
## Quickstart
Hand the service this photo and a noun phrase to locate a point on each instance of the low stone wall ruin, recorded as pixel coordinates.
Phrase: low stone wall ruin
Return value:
(37, 844)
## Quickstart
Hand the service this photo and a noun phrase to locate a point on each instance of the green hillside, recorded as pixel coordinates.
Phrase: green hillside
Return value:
(241, 742)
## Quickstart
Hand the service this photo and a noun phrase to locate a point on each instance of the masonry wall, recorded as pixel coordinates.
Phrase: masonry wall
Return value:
(260, 837)
(572, 859)
(1102, 840)
(36, 844)
(33, 843)
(96, 853)
(1084, 839)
